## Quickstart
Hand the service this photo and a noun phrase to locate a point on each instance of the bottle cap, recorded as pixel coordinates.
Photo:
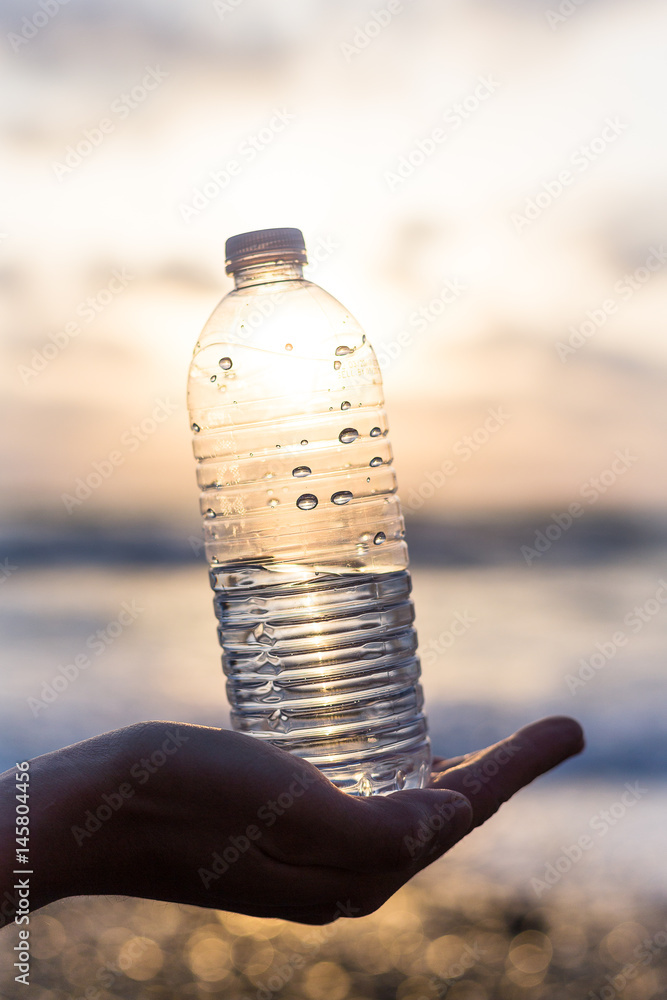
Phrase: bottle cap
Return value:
(264, 245)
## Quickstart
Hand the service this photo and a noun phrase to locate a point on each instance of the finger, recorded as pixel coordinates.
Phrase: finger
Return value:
(490, 777)
(440, 764)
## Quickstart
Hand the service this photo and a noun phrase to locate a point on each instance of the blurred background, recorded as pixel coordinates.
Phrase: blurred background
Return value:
(481, 183)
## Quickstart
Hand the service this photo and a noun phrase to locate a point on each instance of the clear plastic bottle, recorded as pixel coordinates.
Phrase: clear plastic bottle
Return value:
(303, 527)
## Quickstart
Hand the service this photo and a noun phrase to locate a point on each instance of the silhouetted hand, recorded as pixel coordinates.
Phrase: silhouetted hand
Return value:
(214, 818)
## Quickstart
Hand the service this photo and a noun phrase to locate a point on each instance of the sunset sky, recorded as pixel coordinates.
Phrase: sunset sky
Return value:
(480, 183)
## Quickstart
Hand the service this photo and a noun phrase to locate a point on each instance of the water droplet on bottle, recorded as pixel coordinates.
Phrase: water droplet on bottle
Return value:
(288, 347)
(400, 779)
(209, 513)
(304, 441)
(368, 479)
(196, 428)
(213, 378)
(341, 351)
(301, 471)
(365, 786)
(343, 496)
(375, 461)
(272, 502)
(337, 365)
(379, 538)
(225, 363)
(345, 405)
(375, 432)
(348, 435)
(277, 446)
(365, 537)
(307, 501)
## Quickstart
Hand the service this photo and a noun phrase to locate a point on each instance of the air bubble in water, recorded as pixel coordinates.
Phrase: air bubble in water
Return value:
(196, 428)
(307, 501)
(225, 363)
(337, 365)
(341, 351)
(343, 496)
(301, 471)
(375, 461)
(345, 405)
(379, 538)
(348, 435)
(375, 432)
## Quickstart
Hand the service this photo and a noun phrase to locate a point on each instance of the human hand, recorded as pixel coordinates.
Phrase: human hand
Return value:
(215, 818)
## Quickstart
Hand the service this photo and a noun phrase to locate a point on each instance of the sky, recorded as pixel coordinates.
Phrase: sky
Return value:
(480, 183)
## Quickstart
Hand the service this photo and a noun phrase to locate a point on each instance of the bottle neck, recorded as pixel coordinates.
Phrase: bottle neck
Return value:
(259, 274)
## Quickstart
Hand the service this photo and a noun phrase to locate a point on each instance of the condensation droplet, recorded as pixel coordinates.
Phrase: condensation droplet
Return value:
(304, 441)
(301, 471)
(307, 501)
(343, 496)
(337, 365)
(341, 351)
(196, 428)
(385, 432)
(345, 405)
(400, 780)
(368, 479)
(277, 446)
(379, 538)
(214, 378)
(272, 502)
(375, 461)
(348, 435)
(375, 432)
(365, 786)
(365, 537)
(288, 347)
(225, 363)
(209, 513)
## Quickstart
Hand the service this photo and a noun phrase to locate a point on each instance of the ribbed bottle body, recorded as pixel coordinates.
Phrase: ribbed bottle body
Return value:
(305, 537)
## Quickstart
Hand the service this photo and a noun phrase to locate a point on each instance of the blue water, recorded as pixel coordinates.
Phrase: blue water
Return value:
(498, 644)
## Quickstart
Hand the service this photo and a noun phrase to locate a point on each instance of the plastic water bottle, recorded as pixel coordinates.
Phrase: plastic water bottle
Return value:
(303, 528)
